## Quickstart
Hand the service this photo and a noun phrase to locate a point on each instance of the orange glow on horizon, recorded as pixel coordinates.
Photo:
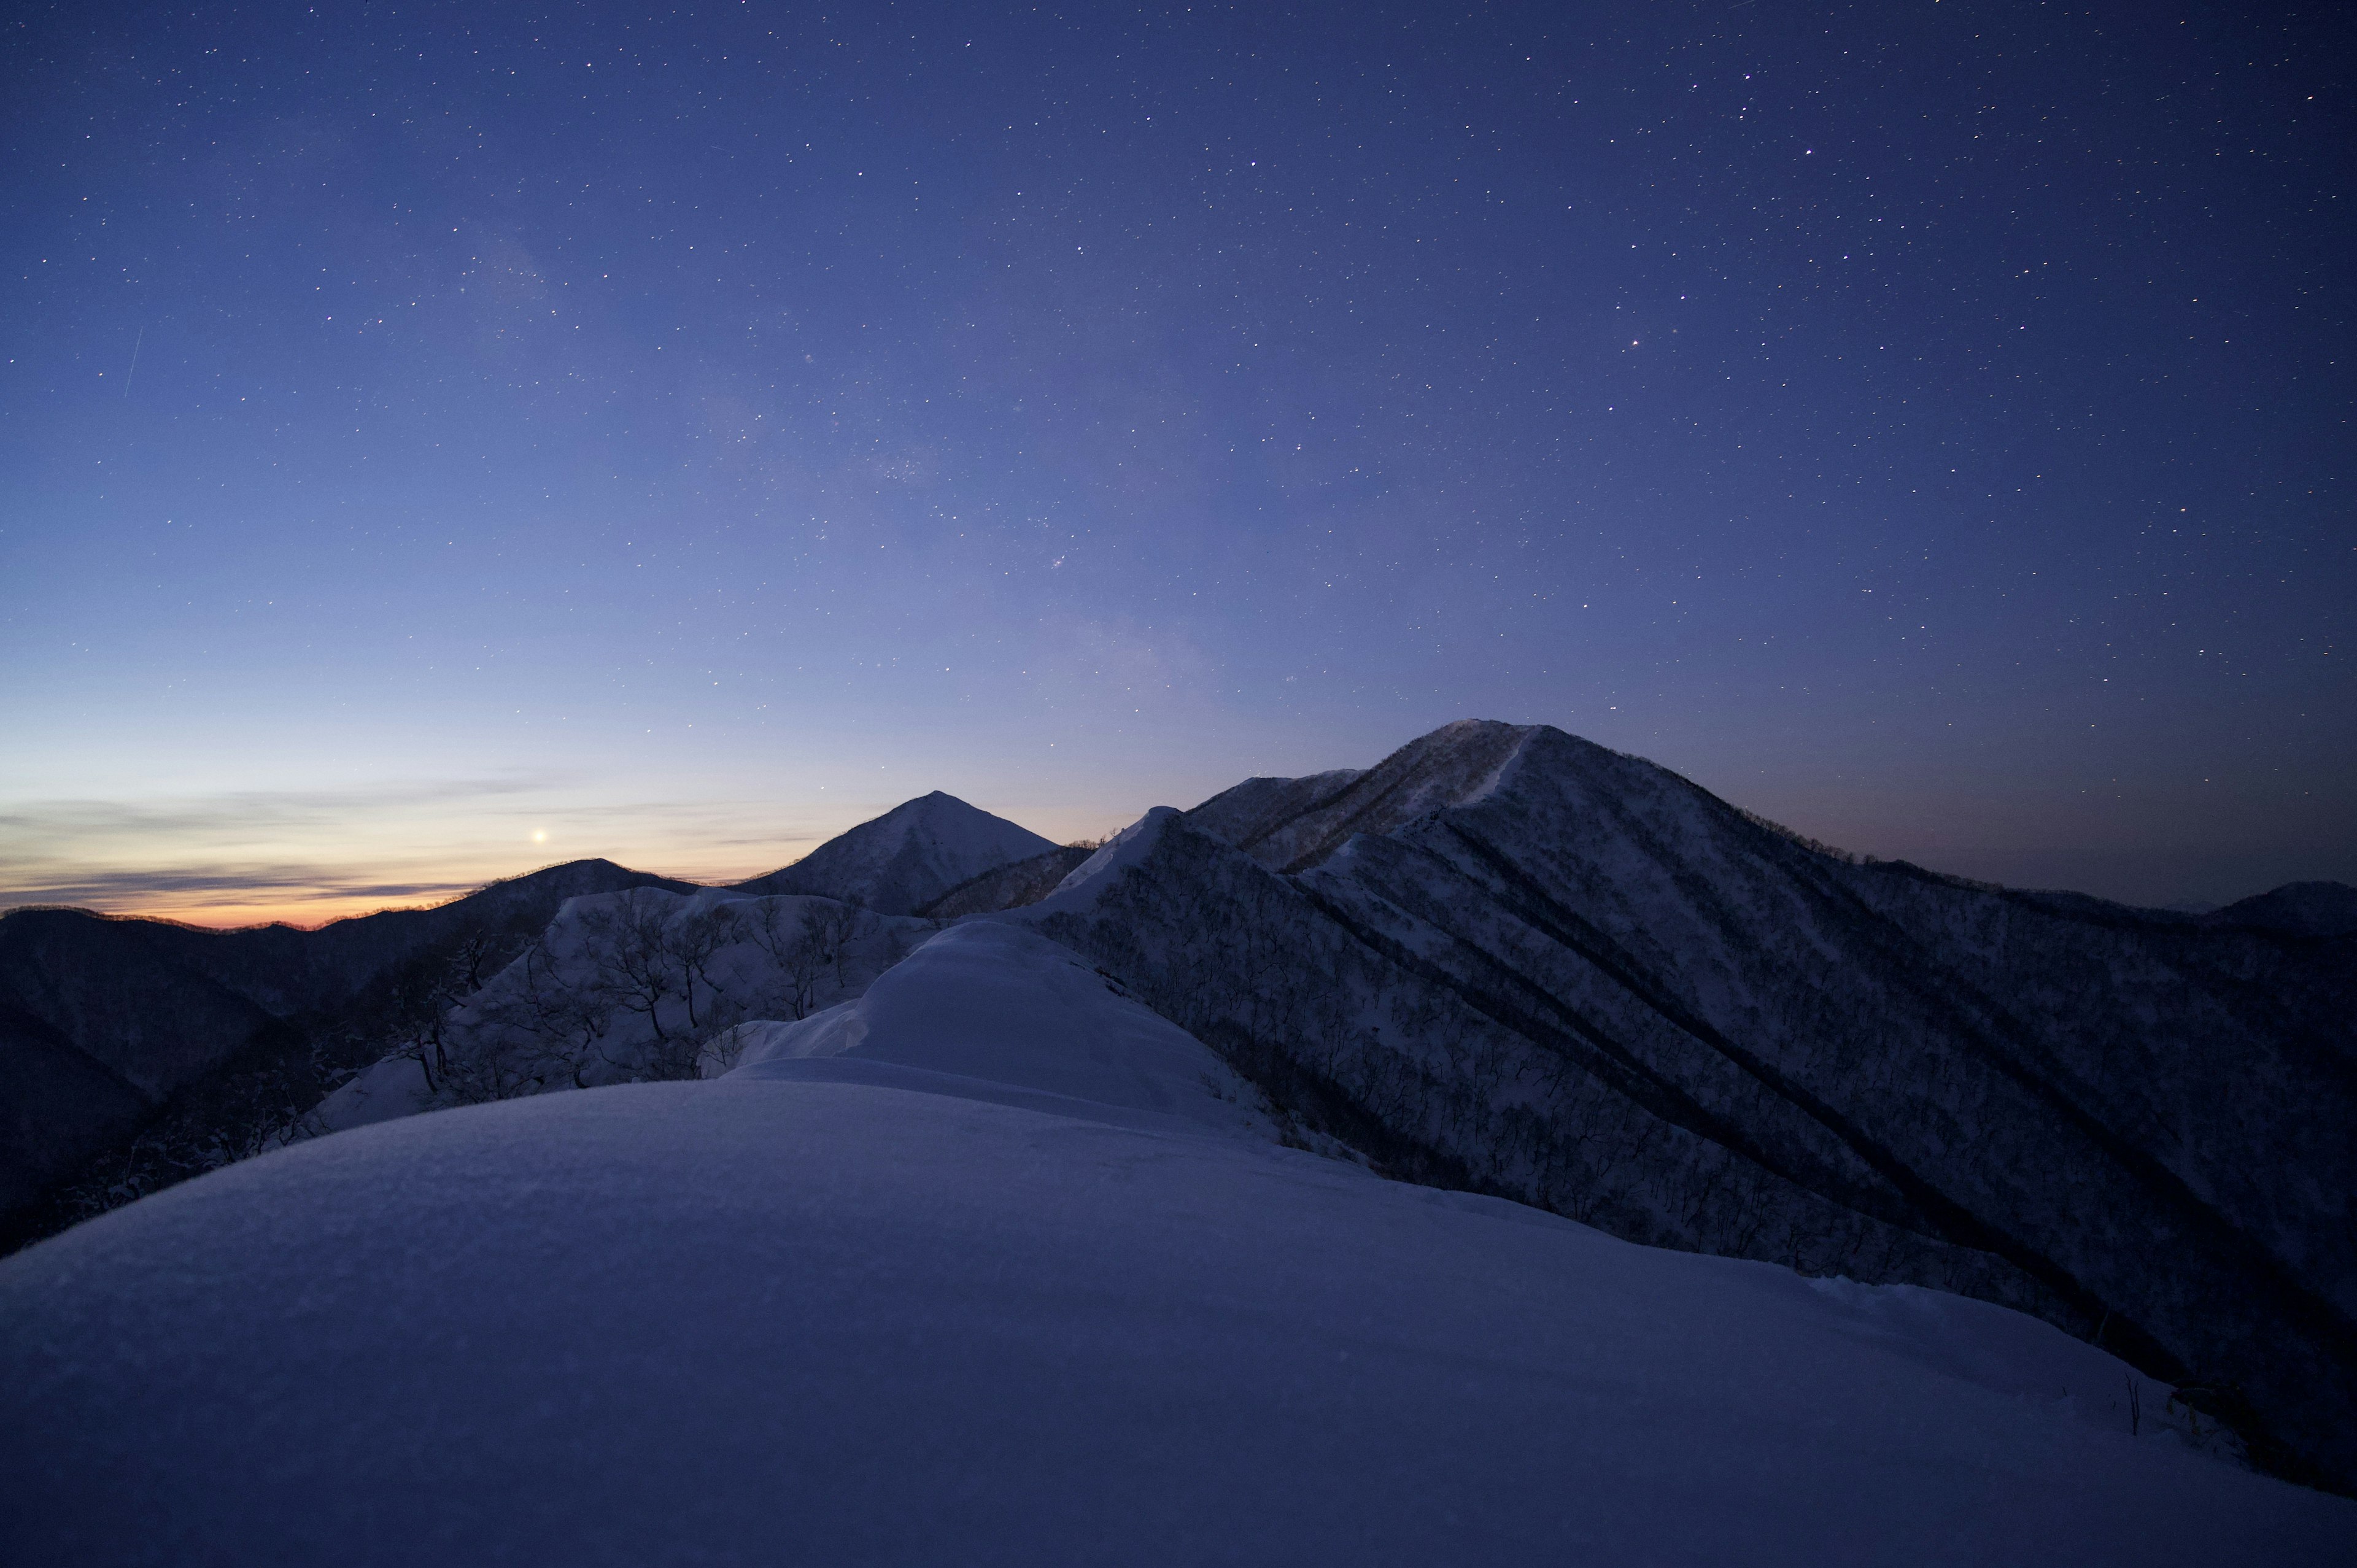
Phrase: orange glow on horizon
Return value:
(231, 909)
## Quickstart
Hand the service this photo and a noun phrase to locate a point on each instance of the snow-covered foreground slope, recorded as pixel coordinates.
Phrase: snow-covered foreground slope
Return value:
(763, 1321)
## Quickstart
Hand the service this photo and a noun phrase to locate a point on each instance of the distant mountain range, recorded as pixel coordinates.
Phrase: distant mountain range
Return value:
(107, 1022)
(1503, 959)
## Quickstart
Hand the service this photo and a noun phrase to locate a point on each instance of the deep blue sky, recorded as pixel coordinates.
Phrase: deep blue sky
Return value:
(681, 434)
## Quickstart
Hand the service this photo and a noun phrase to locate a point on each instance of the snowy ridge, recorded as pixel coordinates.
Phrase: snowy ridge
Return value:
(1453, 766)
(1114, 857)
(1001, 1240)
(884, 1313)
(907, 857)
(992, 1001)
(1516, 960)
(1252, 808)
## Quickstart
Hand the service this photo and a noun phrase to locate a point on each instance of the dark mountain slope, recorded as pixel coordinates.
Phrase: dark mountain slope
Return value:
(109, 1023)
(1251, 811)
(50, 1084)
(1454, 762)
(1009, 886)
(2297, 910)
(1512, 958)
(138, 1052)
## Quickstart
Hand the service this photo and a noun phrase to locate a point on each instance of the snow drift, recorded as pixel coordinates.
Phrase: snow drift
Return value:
(994, 1003)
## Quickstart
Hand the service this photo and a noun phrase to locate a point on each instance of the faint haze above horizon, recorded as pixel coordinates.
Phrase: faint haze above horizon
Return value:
(437, 443)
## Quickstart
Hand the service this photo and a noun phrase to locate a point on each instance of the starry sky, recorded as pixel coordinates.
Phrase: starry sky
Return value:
(437, 441)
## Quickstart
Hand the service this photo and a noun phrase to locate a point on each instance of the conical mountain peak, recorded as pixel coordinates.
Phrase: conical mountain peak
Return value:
(907, 857)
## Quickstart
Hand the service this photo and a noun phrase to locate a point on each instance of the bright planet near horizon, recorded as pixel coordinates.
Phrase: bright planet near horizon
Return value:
(435, 439)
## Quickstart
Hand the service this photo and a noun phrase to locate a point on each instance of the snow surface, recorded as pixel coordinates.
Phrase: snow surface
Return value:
(946, 1297)
(1242, 813)
(1125, 849)
(1456, 765)
(993, 1002)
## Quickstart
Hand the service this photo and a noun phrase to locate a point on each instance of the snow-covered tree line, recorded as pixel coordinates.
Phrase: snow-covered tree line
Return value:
(625, 987)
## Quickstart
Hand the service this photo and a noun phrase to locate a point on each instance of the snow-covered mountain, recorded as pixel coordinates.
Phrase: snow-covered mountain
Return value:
(907, 857)
(107, 1025)
(1009, 1279)
(135, 1053)
(1510, 959)
(1507, 960)
(625, 988)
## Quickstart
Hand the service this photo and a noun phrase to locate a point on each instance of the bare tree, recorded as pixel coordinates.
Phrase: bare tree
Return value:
(425, 998)
(718, 1053)
(835, 924)
(682, 1053)
(694, 942)
(637, 964)
(543, 1032)
(794, 948)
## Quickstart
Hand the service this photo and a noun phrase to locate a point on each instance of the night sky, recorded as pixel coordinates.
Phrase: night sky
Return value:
(439, 441)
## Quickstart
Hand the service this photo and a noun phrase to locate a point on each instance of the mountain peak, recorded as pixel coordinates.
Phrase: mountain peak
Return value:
(2296, 909)
(1291, 824)
(903, 860)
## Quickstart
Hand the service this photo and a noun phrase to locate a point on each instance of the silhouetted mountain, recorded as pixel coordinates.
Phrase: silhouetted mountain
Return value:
(108, 1022)
(206, 1044)
(1511, 959)
(2297, 909)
